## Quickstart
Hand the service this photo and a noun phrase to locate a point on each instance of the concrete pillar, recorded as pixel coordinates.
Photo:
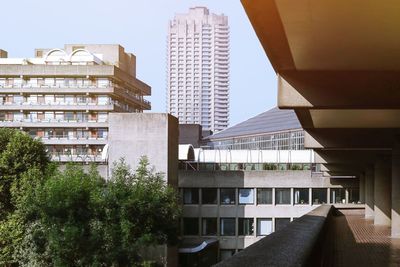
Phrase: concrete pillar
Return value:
(369, 193)
(396, 191)
(382, 192)
(362, 188)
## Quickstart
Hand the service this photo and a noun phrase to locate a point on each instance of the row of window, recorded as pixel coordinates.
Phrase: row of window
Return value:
(293, 140)
(55, 99)
(69, 133)
(57, 116)
(227, 226)
(268, 196)
(201, 166)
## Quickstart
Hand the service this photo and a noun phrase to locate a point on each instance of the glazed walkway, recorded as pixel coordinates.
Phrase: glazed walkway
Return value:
(358, 242)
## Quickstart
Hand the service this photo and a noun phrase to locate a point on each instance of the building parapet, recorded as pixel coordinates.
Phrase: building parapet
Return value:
(295, 245)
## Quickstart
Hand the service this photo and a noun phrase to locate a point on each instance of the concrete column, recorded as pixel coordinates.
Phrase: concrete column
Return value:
(382, 192)
(369, 193)
(362, 188)
(396, 191)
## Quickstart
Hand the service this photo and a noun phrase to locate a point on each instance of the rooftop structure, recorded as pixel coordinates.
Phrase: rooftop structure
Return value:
(274, 129)
(198, 69)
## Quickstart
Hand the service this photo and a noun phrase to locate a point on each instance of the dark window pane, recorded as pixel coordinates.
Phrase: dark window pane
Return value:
(354, 195)
(190, 226)
(301, 195)
(281, 223)
(264, 196)
(191, 196)
(228, 226)
(338, 195)
(209, 196)
(282, 196)
(319, 195)
(246, 226)
(227, 196)
(246, 196)
(209, 226)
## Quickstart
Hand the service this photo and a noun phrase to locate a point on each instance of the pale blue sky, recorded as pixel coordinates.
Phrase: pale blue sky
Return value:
(141, 27)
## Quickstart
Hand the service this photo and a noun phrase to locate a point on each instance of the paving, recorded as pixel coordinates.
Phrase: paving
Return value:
(356, 241)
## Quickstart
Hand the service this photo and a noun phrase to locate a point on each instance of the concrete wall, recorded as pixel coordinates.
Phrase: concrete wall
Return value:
(3, 54)
(132, 135)
(190, 134)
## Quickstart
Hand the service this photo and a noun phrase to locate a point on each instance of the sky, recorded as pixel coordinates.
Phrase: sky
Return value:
(141, 27)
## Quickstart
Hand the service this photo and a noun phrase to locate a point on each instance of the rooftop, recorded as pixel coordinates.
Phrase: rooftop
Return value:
(273, 120)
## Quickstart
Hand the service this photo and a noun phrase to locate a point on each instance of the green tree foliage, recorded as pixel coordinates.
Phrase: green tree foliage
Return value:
(18, 153)
(78, 219)
(20, 158)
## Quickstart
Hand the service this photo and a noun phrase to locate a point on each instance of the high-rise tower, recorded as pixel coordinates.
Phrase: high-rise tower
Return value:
(198, 69)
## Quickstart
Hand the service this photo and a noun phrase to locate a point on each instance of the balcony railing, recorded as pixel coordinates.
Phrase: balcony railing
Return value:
(196, 166)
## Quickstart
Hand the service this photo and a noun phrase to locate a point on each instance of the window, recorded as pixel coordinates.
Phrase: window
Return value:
(190, 226)
(191, 196)
(264, 226)
(338, 195)
(246, 196)
(319, 195)
(209, 226)
(228, 226)
(264, 196)
(282, 196)
(227, 196)
(301, 195)
(354, 195)
(281, 223)
(246, 226)
(209, 196)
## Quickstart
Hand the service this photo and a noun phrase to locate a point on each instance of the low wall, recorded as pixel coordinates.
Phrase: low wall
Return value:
(299, 244)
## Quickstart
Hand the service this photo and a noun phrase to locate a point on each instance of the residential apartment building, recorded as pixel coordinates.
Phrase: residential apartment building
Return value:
(198, 69)
(65, 97)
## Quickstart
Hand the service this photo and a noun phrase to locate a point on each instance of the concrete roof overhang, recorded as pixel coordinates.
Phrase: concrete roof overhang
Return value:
(338, 66)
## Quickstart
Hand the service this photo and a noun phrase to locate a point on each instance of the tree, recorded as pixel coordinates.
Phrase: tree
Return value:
(18, 153)
(78, 219)
(20, 156)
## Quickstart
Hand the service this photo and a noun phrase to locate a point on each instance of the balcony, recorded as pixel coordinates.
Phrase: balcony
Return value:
(327, 236)
(31, 123)
(58, 106)
(66, 140)
(84, 158)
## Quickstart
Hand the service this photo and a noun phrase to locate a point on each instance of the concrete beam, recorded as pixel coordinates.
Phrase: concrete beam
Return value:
(348, 157)
(327, 90)
(349, 138)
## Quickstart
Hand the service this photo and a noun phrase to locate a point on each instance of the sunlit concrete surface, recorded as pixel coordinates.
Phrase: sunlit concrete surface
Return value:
(356, 241)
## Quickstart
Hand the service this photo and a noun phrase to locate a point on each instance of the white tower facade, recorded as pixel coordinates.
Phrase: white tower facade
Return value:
(198, 69)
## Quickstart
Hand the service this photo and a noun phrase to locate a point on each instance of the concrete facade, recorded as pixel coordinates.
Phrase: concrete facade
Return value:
(153, 135)
(274, 180)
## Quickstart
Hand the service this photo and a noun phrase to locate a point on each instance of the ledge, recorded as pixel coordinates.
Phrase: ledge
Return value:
(295, 245)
